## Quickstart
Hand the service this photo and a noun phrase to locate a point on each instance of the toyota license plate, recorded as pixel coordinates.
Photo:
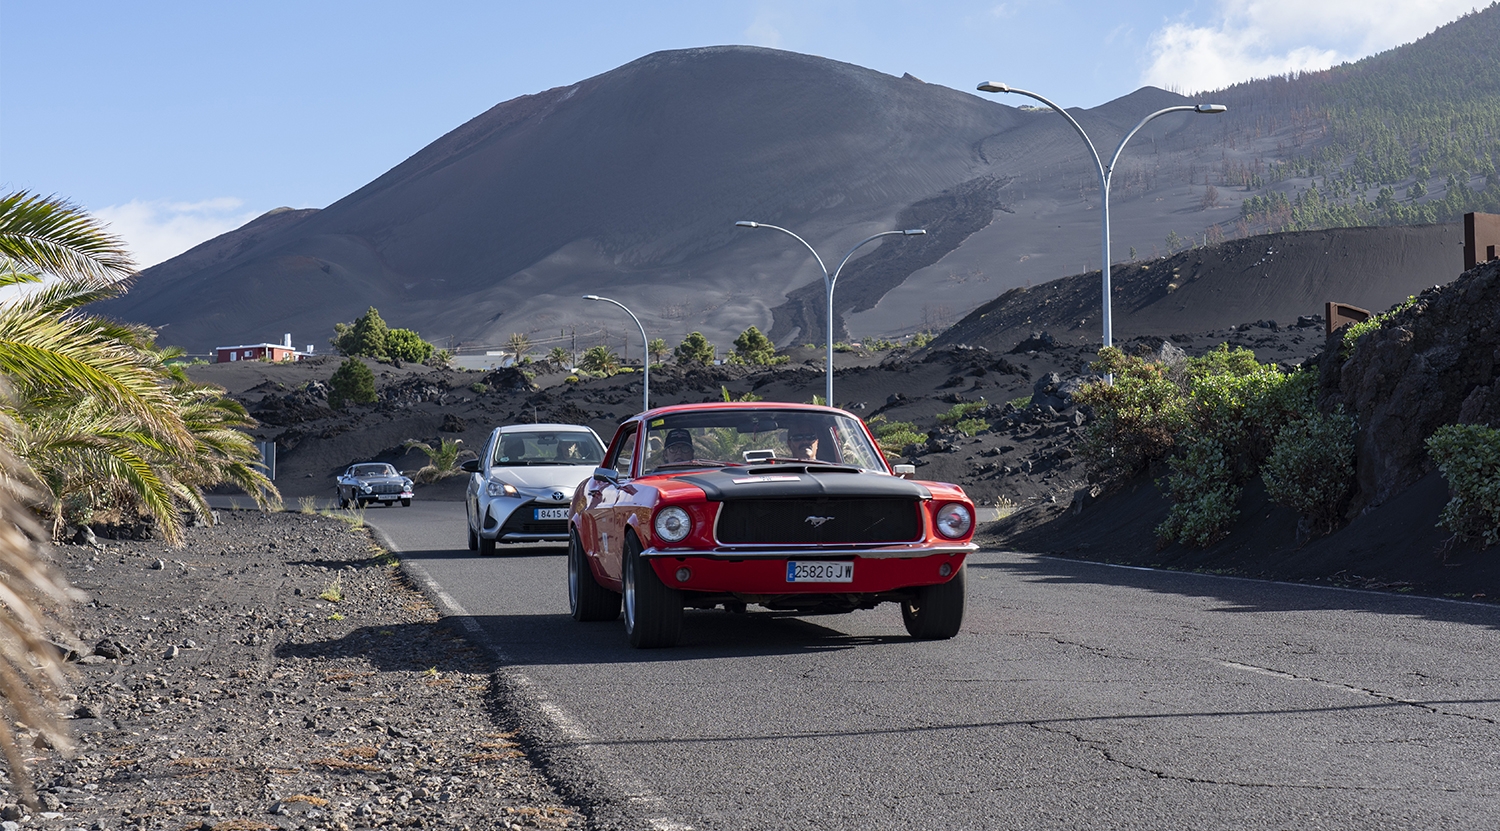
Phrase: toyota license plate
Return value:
(821, 571)
(551, 513)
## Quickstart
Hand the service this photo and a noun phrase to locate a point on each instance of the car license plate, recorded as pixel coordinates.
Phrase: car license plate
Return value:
(820, 571)
(551, 513)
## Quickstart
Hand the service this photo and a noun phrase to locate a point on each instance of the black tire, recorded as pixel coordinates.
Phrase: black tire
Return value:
(486, 547)
(406, 503)
(587, 600)
(343, 503)
(653, 612)
(937, 613)
(473, 537)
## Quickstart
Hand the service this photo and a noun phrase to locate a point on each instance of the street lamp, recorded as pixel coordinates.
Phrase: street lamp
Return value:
(829, 281)
(645, 350)
(1105, 173)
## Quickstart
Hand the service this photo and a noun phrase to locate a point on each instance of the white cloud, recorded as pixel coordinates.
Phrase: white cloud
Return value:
(763, 30)
(1256, 38)
(160, 230)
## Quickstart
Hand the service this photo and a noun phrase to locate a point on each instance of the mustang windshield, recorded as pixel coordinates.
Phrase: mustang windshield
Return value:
(714, 438)
(548, 447)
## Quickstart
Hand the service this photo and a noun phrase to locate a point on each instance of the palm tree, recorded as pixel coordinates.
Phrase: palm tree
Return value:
(519, 345)
(91, 416)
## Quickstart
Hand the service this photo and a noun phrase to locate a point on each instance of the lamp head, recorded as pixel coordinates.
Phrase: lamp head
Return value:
(915, 232)
(745, 223)
(591, 297)
(1213, 109)
(993, 86)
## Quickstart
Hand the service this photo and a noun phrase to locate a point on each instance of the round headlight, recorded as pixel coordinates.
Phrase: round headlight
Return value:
(495, 487)
(672, 524)
(954, 520)
(364, 487)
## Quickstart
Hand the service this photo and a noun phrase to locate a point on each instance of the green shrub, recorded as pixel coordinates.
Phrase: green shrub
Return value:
(1311, 468)
(694, 349)
(959, 412)
(479, 388)
(921, 339)
(972, 426)
(351, 382)
(1021, 403)
(1204, 496)
(892, 436)
(407, 345)
(1136, 419)
(756, 349)
(1370, 324)
(1469, 457)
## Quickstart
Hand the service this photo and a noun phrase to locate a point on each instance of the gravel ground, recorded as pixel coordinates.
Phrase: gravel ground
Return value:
(277, 672)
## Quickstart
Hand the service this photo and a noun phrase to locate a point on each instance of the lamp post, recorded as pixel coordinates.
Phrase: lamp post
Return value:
(645, 350)
(1105, 173)
(829, 281)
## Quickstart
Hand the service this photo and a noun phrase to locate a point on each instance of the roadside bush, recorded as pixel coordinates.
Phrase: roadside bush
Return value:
(1204, 496)
(369, 336)
(1311, 469)
(1136, 419)
(1469, 457)
(972, 426)
(442, 460)
(351, 382)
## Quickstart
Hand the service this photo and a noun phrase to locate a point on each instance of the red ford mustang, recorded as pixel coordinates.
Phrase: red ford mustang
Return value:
(789, 506)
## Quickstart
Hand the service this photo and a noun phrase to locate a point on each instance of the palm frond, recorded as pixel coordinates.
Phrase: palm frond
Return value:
(48, 235)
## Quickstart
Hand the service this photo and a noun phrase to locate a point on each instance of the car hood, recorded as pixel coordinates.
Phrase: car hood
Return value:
(544, 477)
(791, 481)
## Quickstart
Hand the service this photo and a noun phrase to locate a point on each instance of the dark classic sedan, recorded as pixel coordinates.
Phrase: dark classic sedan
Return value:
(369, 482)
(786, 506)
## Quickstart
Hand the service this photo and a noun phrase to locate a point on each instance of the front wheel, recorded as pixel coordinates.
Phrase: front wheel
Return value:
(587, 600)
(406, 503)
(937, 613)
(473, 538)
(653, 612)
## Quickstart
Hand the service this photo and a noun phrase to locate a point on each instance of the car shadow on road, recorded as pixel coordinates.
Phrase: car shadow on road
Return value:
(1238, 594)
(521, 640)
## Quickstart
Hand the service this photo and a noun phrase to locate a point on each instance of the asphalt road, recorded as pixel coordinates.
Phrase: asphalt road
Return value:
(1077, 696)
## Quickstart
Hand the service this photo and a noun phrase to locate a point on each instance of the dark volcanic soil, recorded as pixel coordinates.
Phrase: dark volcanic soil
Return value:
(221, 686)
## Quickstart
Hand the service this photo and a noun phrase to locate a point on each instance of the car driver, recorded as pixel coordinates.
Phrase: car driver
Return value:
(679, 447)
(802, 439)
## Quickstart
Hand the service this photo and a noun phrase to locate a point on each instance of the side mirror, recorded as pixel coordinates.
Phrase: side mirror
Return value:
(470, 466)
(905, 471)
(606, 475)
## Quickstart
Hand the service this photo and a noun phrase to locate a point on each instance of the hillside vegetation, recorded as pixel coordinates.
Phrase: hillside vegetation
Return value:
(1409, 136)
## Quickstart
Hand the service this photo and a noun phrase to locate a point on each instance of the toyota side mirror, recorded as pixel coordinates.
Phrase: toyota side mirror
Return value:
(470, 466)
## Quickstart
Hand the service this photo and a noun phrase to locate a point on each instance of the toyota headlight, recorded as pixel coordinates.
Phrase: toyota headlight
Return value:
(954, 520)
(495, 487)
(672, 524)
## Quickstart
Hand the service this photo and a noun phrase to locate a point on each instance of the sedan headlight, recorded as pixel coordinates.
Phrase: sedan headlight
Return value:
(954, 520)
(365, 488)
(672, 524)
(495, 487)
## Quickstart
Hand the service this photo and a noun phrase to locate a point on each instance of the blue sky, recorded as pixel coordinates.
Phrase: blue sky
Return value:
(176, 121)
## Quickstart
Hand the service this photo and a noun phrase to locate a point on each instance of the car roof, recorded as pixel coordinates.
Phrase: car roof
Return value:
(741, 405)
(543, 428)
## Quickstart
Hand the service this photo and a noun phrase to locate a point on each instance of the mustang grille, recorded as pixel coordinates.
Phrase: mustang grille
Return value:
(828, 520)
